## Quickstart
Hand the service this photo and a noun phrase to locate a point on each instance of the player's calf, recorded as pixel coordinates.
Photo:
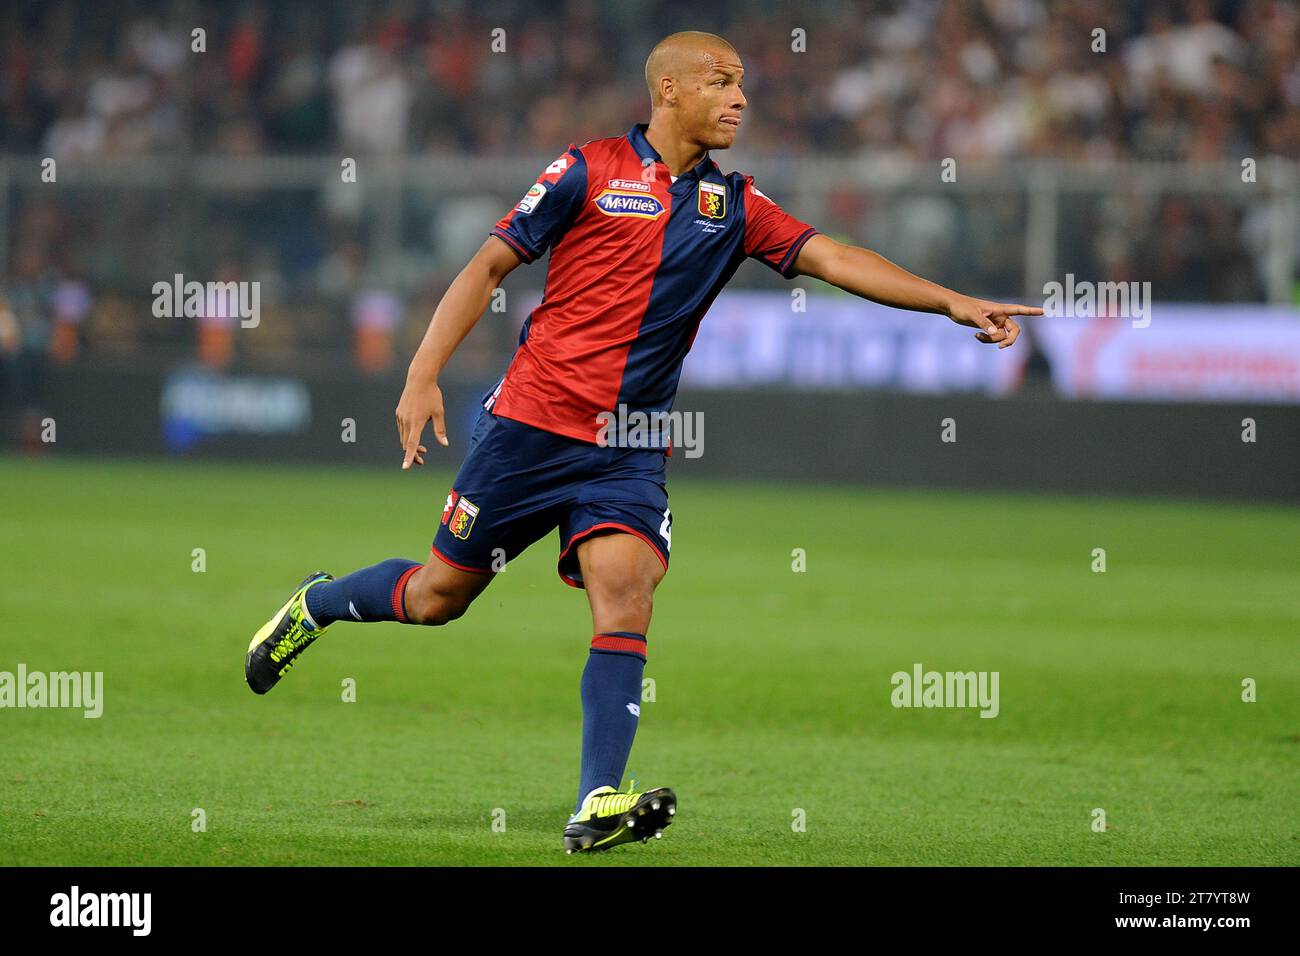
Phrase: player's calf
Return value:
(393, 590)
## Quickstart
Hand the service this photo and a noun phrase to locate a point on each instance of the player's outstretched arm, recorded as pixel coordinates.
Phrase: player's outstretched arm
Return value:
(462, 305)
(874, 277)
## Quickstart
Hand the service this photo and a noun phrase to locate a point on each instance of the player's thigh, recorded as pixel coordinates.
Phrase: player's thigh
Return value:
(620, 572)
(438, 593)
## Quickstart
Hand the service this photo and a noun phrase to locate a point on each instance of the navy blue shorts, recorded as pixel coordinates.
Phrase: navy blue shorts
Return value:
(518, 483)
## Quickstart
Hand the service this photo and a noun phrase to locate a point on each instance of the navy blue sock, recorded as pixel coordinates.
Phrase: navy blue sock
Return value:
(611, 705)
(372, 594)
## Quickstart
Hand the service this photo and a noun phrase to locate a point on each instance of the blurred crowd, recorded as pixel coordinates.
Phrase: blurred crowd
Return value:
(880, 79)
(1195, 79)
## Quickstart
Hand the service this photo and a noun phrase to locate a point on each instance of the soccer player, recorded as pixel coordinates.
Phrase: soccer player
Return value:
(643, 230)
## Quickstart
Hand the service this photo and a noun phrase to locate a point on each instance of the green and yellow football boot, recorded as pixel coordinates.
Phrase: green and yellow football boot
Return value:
(275, 648)
(608, 818)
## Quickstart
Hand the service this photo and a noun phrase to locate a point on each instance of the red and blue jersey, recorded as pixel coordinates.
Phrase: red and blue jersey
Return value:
(637, 258)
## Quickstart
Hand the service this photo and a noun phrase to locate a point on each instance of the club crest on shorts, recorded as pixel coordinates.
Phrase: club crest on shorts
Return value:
(713, 200)
(462, 518)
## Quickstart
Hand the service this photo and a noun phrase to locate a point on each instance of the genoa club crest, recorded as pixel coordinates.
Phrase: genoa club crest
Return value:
(462, 518)
(713, 200)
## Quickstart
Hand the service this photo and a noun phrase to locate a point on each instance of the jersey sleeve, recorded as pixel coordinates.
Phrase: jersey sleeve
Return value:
(772, 235)
(547, 210)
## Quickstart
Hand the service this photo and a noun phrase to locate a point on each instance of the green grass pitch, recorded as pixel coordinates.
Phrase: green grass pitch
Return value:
(1118, 690)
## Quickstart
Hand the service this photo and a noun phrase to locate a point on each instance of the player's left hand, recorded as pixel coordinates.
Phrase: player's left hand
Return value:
(994, 318)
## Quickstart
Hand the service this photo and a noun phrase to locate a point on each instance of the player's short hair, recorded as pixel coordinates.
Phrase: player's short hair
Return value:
(697, 37)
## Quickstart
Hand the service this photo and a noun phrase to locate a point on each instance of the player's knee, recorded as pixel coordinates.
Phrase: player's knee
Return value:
(433, 605)
(436, 609)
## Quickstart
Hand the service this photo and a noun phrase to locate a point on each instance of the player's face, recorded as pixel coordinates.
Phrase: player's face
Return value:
(713, 100)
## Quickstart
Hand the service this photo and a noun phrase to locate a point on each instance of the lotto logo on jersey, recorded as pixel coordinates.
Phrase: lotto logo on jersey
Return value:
(713, 200)
(462, 518)
(620, 202)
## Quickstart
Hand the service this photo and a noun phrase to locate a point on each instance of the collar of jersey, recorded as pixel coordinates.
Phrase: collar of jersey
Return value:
(636, 136)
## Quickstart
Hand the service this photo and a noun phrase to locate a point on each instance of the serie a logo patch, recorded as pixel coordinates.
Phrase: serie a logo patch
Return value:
(462, 518)
(531, 198)
(713, 200)
(625, 202)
